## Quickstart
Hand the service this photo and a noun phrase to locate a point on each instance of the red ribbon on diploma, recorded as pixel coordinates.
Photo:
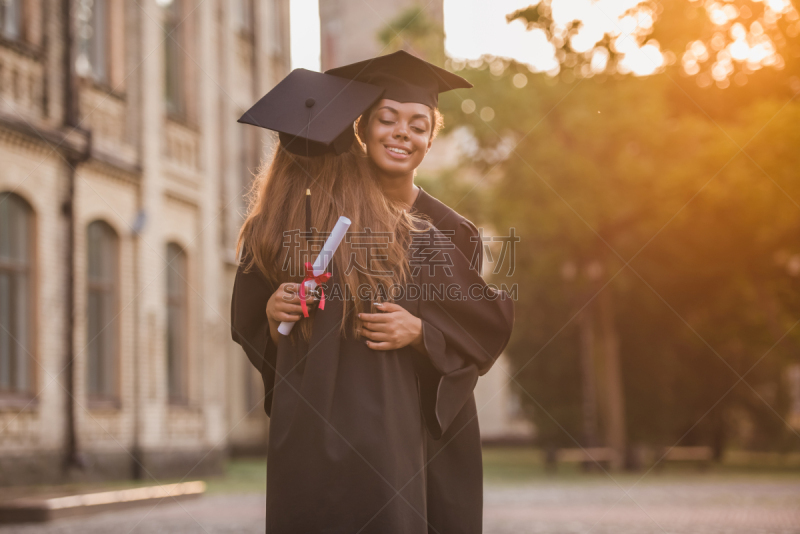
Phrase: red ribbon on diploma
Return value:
(321, 279)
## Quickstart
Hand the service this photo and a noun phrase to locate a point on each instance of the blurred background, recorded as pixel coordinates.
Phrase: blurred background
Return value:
(633, 166)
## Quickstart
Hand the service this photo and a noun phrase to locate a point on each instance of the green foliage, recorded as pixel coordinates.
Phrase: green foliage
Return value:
(695, 240)
(674, 196)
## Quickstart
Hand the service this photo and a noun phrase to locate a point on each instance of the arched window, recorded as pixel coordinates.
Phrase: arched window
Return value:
(16, 280)
(102, 283)
(177, 323)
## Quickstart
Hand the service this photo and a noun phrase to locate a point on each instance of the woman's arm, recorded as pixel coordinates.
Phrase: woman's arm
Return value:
(462, 336)
(453, 333)
(397, 327)
(251, 326)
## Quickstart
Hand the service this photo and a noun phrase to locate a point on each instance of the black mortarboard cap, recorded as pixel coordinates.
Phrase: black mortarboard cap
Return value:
(405, 77)
(312, 112)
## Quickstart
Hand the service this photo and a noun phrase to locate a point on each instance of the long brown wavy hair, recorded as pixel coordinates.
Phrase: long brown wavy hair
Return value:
(340, 185)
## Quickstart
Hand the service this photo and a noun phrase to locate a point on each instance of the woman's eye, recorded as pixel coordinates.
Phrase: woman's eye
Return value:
(383, 121)
(420, 130)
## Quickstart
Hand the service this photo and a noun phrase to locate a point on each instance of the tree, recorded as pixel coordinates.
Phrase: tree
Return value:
(713, 41)
(659, 213)
(607, 172)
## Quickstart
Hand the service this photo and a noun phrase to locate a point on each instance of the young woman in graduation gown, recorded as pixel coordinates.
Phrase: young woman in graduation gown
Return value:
(407, 118)
(347, 442)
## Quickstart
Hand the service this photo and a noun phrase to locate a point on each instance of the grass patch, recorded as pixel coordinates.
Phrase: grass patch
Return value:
(242, 475)
(509, 465)
(518, 465)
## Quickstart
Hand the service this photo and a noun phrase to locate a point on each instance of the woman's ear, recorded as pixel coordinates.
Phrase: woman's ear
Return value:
(361, 136)
(361, 129)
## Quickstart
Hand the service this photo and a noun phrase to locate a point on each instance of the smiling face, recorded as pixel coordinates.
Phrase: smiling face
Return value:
(397, 135)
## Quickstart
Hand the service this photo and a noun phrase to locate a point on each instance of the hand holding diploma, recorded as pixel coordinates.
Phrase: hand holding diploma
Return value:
(284, 305)
(320, 265)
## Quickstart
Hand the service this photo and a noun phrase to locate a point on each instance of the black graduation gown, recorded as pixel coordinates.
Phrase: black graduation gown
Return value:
(454, 460)
(347, 441)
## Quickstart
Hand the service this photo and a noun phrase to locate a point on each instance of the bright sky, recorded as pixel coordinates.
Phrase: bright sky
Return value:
(304, 31)
(476, 27)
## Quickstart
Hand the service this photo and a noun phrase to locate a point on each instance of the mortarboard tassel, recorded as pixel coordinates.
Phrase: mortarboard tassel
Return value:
(308, 213)
(309, 104)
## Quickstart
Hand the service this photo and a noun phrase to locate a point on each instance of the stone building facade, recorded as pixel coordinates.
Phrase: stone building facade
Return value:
(121, 194)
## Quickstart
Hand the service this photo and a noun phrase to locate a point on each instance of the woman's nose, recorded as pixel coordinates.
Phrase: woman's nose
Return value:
(401, 131)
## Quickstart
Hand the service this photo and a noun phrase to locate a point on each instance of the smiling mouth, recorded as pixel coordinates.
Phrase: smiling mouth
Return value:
(398, 153)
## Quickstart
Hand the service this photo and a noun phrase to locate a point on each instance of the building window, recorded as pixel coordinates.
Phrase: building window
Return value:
(16, 278)
(102, 287)
(11, 19)
(98, 44)
(175, 72)
(177, 323)
(92, 27)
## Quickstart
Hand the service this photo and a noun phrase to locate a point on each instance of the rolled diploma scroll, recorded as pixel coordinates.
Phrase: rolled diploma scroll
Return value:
(321, 263)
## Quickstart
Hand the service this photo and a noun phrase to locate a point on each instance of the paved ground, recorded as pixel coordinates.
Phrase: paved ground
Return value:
(215, 514)
(702, 505)
(728, 506)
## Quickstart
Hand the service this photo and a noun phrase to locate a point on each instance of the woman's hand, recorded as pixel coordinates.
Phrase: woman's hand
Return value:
(284, 306)
(395, 328)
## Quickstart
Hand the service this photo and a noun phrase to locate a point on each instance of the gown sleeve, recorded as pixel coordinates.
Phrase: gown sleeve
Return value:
(467, 239)
(464, 331)
(249, 325)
